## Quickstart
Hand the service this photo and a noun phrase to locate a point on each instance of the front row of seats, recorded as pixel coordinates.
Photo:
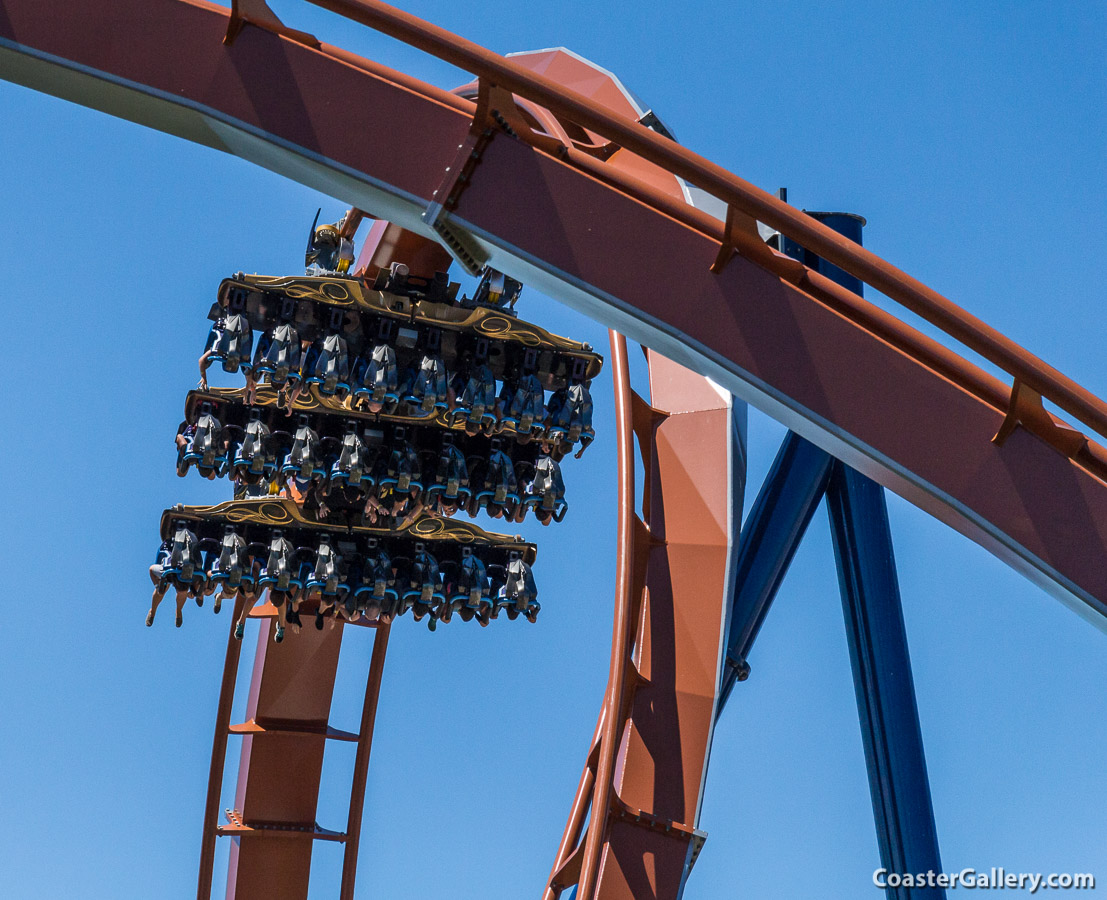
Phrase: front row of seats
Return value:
(371, 584)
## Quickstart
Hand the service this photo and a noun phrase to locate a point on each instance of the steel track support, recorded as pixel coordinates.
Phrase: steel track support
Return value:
(361, 761)
(882, 680)
(772, 533)
(218, 757)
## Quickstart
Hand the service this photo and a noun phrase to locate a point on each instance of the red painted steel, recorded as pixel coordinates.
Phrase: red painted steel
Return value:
(279, 773)
(653, 837)
(622, 629)
(905, 411)
(361, 762)
(738, 193)
(914, 427)
(644, 776)
(218, 756)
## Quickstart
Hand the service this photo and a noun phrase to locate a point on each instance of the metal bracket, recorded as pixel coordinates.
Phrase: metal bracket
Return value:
(625, 813)
(496, 112)
(258, 14)
(740, 235)
(237, 828)
(1026, 409)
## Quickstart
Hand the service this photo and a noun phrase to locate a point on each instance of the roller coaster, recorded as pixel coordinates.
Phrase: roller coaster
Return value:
(381, 402)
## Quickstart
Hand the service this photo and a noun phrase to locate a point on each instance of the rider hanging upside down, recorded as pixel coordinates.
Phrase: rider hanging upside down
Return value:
(230, 342)
(178, 564)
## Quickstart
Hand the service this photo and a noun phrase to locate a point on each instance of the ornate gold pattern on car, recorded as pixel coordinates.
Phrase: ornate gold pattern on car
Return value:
(283, 512)
(335, 291)
(489, 323)
(311, 401)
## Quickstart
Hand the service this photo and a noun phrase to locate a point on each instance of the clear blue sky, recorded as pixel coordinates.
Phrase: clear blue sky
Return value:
(972, 136)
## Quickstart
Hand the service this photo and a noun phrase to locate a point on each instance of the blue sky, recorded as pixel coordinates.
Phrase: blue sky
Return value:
(971, 136)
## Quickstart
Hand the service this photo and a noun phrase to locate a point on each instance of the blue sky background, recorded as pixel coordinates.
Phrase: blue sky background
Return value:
(972, 136)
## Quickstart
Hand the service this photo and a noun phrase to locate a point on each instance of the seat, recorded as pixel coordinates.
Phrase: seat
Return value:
(279, 355)
(378, 378)
(498, 490)
(519, 593)
(253, 459)
(545, 494)
(525, 406)
(430, 385)
(570, 417)
(329, 367)
(475, 399)
(206, 449)
(303, 460)
(451, 479)
(234, 342)
(351, 467)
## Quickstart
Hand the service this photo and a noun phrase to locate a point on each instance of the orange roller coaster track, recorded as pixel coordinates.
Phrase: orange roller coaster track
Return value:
(573, 195)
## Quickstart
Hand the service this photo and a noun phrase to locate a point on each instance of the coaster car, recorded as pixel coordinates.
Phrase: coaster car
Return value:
(400, 303)
(386, 463)
(347, 567)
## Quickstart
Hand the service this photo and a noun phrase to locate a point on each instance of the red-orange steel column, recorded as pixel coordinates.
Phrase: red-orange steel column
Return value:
(696, 480)
(361, 762)
(218, 757)
(280, 769)
(560, 876)
(620, 637)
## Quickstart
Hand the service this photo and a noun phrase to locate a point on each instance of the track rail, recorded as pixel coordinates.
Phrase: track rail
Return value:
(579, 220)
(907, 412)
(273, 822)
(642, 783)
(741, 197)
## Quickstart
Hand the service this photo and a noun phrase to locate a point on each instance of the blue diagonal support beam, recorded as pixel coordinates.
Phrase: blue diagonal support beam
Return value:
(882, 679)
(774, 529)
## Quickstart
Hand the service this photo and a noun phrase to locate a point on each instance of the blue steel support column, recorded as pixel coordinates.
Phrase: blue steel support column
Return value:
(882, 680)
(776, 525)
